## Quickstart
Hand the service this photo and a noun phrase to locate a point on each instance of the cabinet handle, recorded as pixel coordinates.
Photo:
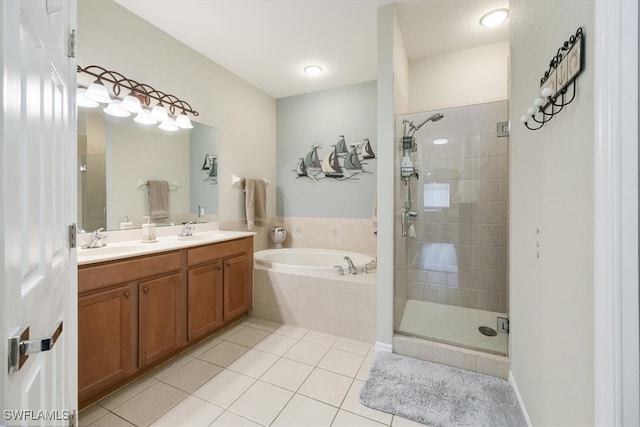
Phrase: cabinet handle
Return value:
(127, 294)
(227, 264)
(145, 289)
(218, 267)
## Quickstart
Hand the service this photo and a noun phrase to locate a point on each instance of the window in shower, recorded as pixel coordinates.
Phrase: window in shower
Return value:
(436, 195)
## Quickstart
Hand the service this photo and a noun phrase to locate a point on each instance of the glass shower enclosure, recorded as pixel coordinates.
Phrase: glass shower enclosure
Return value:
(451, 237)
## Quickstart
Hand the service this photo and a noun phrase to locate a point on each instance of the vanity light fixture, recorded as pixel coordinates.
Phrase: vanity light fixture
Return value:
(494, 18)
(139, 99)
(313, 70)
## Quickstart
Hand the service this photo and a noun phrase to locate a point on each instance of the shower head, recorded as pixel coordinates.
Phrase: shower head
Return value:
(433, 118)
(413, 128)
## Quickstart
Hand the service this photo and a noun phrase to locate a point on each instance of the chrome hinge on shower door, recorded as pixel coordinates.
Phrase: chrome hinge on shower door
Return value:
(503, 129)
(503, 325)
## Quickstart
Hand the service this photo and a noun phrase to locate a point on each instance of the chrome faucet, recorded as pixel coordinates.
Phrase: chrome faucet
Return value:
(352, 268)
(187, 229)
(370, 266)
(340, 270)
(97, 240)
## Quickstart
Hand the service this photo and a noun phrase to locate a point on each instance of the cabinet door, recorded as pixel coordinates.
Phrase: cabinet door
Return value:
(160, 317)
(106, 339)
(237, 287)
(204, 300)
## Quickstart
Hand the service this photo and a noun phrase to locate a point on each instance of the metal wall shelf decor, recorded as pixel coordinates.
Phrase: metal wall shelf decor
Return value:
(210, 167)
(340, 164)
(556, 83)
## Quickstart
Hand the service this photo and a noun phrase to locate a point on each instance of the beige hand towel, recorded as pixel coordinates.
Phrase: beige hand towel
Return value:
(158, 199)
(255, 201)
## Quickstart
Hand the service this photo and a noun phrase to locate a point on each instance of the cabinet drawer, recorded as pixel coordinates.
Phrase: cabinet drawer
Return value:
(208, 253)
(112, 273)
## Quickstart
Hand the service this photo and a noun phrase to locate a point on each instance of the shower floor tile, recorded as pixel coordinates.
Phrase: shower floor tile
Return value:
(453, 324)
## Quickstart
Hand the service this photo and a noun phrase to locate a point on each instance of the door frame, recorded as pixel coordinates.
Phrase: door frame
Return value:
(616, 313)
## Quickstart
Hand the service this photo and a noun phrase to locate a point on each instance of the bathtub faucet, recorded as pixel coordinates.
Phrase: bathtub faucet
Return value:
(340, 270)
(352, 268)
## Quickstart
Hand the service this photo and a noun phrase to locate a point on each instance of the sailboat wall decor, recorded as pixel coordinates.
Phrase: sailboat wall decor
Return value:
(341, 163)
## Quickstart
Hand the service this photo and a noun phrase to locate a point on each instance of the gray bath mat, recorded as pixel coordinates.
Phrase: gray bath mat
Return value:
(438, 395)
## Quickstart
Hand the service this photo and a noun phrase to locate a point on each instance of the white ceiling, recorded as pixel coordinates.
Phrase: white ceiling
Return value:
(268, 42)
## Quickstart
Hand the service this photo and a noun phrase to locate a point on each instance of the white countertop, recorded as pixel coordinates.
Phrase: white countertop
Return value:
(131, 248)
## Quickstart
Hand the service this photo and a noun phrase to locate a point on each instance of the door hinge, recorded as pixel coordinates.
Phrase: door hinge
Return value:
(72, 44)
(72, 236)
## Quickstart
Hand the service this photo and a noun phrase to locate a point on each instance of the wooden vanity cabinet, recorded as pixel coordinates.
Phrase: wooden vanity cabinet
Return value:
(237, 295)
(161, 318)
(205, 295)
(220, 284)
(135, 313)
(106, 338)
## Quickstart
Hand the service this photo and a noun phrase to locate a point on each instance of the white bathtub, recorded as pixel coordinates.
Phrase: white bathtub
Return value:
(310, 261)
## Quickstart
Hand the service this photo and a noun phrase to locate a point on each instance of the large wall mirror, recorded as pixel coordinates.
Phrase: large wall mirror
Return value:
(116, 159)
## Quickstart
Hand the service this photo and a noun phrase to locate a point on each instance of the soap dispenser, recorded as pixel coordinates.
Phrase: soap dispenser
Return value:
(148, 231)
(126, 224)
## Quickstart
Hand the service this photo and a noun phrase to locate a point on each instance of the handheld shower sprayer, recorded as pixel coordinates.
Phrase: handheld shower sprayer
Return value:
(409, 145)
(413, 128)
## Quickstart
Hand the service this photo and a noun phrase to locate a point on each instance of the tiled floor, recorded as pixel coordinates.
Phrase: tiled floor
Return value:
(251, 374)
(452, 324)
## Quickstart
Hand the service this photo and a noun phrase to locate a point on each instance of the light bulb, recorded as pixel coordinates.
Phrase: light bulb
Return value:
(145, 117)
(524, 118)
(97, 92)
(83, 100)
(131, 104)
(538, 102)
(159, 113)
(115, 109)
(183, 122)
(531, 111)
(494, 18)
(313, 70)
(169, 125)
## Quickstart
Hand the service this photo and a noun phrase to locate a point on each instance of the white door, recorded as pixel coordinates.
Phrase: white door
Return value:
(37, 204)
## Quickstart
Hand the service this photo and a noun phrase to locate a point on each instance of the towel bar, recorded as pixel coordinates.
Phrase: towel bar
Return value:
(172, 185)
(236, 181)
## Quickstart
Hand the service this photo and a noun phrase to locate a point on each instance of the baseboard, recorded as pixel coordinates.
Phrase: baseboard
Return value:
(512, 381)
(383, 347)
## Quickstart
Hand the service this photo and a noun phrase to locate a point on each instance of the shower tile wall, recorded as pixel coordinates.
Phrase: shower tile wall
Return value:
(459, 254)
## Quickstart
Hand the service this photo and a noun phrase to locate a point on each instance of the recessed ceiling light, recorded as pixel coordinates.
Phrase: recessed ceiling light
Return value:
(494, 18)
(313, 70)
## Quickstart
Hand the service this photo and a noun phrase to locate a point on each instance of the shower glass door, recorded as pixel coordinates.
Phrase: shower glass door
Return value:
(452, 267)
